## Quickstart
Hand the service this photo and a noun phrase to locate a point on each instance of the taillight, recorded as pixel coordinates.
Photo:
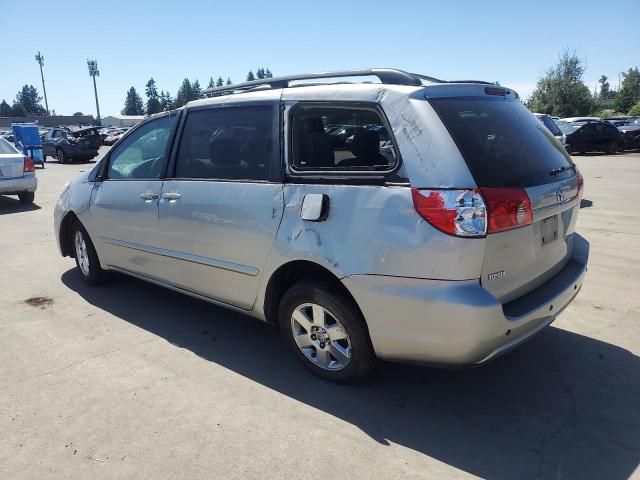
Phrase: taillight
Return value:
(28, 165)
(456, 212)
(508, 208)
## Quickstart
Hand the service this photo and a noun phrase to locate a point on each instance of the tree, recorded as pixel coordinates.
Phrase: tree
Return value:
(184, 93)
(18, 110)
(561, 90)
(133, 103)
(229, 81)
(250, 76)
(629, 93)
(260, 73)
(635, 110)
(30, 100)
(166, 101)
(219, 82)
(268, 74)
(5, 109)
(196, 91)
(604, 87)
(153, 99)
(78, 114)
(211, 83)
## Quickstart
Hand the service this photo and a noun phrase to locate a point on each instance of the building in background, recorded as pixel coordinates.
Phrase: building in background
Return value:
(121, 120)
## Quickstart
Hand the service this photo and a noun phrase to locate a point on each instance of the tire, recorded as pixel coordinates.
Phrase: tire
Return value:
(27, 197)
(61, 156)
(612, 148)
(339, 348)
(86, 257)
(568, 148)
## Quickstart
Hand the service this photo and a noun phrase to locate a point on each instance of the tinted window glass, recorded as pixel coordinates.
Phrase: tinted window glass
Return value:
(235, 143)
(340, 138)
(551, 125)
(141, 154)
(503, 144)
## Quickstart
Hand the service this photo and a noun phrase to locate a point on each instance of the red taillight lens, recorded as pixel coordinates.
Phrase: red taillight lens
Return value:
(508, 208)
(456, 212)
(28, 165)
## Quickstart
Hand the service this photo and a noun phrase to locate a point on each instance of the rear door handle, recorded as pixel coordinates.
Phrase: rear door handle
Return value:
(149, 195)
(171, 195)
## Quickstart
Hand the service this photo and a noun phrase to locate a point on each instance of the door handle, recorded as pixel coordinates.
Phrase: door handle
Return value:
(171, 195)
(149, 195)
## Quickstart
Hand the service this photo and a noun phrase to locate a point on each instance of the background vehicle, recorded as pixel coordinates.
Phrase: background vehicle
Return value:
(630, 134)
(453, 246)
(591, 136)
(114, 136)
(548, 122)
(66, 144)
(17, 173)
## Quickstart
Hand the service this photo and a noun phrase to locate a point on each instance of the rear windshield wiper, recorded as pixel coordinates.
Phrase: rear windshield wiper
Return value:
(556, 171)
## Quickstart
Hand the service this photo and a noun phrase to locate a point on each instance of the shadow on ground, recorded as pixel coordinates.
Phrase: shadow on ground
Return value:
(562, 406)
(13, 205)
(584, 203)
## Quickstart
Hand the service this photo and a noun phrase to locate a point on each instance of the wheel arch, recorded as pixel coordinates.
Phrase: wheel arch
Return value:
(66, 232)
(290, 273)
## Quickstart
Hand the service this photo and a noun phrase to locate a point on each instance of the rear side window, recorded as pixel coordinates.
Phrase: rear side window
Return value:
(6, 148)
(503, 144)
(551, 125)
(229, 143)
(340, 138)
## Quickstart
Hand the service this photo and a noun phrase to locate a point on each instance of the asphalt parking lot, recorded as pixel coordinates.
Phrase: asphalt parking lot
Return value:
(133, 381)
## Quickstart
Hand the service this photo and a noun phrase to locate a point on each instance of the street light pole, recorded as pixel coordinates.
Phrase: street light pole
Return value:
(40, 60)
(93, 72)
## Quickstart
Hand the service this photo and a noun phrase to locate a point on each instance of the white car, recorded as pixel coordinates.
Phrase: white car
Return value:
(17, 173)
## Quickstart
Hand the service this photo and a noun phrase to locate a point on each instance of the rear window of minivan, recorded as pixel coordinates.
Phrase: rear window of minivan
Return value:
(503, 144)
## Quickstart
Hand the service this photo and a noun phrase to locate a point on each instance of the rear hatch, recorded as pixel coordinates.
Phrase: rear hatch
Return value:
(11, 161)
(88, 138)
(513, 155)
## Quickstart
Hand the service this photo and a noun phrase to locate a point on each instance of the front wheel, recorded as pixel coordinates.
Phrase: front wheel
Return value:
(26, 197)
(326, 331)
(61, 156)
(86, 257)
(612, 148)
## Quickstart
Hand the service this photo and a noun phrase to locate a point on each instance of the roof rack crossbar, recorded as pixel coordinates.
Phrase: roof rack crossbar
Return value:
(385, 75)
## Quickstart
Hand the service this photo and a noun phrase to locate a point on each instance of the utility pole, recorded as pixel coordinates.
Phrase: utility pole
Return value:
(40, 60)
(93, 72)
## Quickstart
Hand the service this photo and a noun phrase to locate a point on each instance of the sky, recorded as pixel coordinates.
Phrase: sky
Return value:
(507, 41)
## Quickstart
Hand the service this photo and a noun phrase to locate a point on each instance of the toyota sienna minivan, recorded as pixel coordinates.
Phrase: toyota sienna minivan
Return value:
(442, 232)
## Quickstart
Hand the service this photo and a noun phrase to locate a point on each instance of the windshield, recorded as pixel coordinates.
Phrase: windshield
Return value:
(635, 122)
(568, 128)
(503, 144)
(550, 124)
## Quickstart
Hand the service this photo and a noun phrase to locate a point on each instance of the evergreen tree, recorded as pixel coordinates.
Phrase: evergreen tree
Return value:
(30, 100)
(211, 84)
(5, 109)
(196, 91)
(18, 110)
(604, 87)
(133, 103)
(268, 74)
(166, 101)
(629, 93)
(229, 81)
(260, 73)
(250, 76)
(184, 93)
(561, 91)
(219, 82)
(153, 99)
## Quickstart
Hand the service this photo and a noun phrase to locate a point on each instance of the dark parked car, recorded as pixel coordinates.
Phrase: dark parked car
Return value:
(630, 134)
(592, 136)
(66, 144)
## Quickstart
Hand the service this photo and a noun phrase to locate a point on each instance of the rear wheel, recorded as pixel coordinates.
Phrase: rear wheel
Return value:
(61, 156)
(86, 257)
(326, 331)
(27, 197)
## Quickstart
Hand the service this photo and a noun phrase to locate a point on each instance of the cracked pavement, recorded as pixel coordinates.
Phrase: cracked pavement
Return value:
(133, 381)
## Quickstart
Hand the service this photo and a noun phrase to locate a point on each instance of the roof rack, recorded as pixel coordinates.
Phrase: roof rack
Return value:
(390, 76)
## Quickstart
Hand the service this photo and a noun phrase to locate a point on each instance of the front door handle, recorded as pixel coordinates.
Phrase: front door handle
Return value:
(149, 195)
(171, 195)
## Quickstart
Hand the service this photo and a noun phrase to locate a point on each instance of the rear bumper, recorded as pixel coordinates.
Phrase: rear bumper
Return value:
(12, 186)
(459, 322)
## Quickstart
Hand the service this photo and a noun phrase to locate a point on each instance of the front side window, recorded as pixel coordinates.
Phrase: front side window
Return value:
(228, 143)
(142, 154)
(340, 138)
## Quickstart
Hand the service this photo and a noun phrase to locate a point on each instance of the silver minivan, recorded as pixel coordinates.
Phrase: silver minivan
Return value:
(410, 219)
